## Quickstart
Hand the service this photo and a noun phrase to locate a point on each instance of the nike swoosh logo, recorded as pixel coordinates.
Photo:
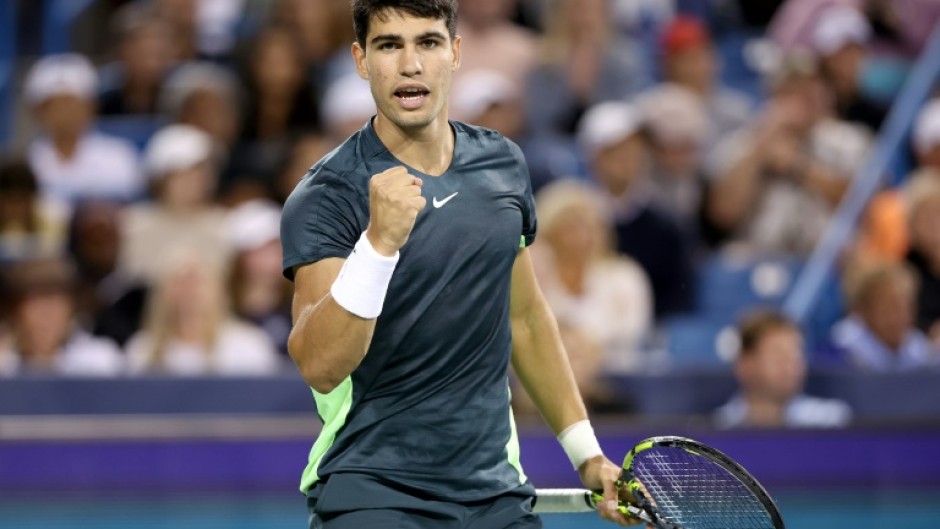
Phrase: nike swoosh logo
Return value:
(439, 203)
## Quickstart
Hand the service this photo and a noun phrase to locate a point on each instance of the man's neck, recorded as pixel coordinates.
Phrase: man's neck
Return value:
(65, 144)
(429, 149)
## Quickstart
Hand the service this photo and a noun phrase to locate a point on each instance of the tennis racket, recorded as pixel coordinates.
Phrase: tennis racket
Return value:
(678, 483)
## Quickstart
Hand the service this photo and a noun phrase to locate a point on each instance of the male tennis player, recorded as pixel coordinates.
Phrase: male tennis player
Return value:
(413, 290)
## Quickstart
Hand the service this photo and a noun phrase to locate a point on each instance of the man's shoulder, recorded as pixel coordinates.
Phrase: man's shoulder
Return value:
(488, 142)
(343, 167)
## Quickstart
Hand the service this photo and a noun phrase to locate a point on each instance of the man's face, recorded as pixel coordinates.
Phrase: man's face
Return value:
(890, 312)
(776, 367)
(618, 166)
(66, 114)
(409, 62)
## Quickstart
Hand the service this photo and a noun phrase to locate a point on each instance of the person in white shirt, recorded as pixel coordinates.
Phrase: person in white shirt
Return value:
(880, 333)
(73, 162)
(183, 175)
(771, 370)
(589, 288)
(189, 330)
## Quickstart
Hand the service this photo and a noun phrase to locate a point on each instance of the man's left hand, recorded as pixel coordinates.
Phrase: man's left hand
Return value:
(599, 473)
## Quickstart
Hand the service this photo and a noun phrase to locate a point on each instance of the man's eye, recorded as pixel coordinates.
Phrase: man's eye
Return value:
(387, 46)
(429, 43)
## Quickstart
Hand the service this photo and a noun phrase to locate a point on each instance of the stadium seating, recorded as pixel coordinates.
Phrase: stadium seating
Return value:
(729, 284)
(699, 341)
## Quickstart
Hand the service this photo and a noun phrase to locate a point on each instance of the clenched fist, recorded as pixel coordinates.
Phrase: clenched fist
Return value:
(394, 203)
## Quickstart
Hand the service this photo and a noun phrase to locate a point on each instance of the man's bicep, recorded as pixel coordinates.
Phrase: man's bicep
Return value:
(312, 282)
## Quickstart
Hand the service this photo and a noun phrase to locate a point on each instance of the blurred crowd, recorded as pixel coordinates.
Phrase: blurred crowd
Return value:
(139, 213)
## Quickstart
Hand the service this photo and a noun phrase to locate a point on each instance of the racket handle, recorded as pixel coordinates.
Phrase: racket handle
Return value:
(564, 500)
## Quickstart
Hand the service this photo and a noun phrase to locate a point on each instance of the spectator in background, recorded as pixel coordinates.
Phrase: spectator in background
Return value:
(182, 218)
(774, 184)
(281, 100)
(583, 61)
(306, 151)
(771, 370)
(181, 15)
(924, 254)
(110, 303)
(45, 335)
(258, 290)
(281, 105)
(145, 54)
(689, 59)
(71, 161)
(490, 40)
(610, 135)
(885, 227)
(489, 99)
(346, 105)
(206, 96)
(880, 334)
(189, 329)
(840, 36)
(605, 297)
(324, 33)
(676, 125)
(29, 225)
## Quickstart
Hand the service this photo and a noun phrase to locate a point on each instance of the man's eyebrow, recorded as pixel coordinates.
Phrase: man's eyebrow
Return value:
(391, 37)
(431, 35)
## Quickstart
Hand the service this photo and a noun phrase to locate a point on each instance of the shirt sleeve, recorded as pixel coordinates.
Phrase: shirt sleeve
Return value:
(322, 218)
(527, 201)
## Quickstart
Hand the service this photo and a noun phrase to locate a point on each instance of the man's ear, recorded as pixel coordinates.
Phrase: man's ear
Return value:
(455, 47)
(359, 57)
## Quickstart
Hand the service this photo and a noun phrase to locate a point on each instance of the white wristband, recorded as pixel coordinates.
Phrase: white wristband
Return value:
(579, 443)
(363, 281)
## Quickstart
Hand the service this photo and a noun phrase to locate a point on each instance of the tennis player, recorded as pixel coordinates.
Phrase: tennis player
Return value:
(413, 291)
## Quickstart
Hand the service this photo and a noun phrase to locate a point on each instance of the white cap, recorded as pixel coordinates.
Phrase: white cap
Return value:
(347, 99)
(476, 91)
(605, 124)
(927, 126)
(674, 114)
(67, 73)
(176, 147)
(254, 224)
(837, 27)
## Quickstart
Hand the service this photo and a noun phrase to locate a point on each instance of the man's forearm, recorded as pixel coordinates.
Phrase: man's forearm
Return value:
(328, 343)
(542, 366)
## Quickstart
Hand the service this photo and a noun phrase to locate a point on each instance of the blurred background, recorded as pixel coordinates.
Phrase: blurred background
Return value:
(739, 233)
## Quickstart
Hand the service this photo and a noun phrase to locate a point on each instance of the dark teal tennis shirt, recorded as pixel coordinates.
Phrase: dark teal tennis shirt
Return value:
(428, 407)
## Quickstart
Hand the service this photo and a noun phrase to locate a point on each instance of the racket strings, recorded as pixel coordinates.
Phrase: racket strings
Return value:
(696, 493)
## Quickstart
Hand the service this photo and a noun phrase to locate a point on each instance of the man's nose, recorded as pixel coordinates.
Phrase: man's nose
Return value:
(410, 64)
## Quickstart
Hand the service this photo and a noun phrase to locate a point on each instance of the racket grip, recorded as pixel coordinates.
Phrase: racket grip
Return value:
(564, 500)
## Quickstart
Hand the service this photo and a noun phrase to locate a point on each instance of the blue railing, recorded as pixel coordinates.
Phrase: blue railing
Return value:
(891, 141)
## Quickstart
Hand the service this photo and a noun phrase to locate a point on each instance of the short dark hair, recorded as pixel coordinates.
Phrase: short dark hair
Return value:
(755, 325)
(363, 11)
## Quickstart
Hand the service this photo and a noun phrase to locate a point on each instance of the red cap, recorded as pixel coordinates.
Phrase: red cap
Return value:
(682, 33)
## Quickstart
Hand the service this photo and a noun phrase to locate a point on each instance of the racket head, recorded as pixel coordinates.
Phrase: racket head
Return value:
(683, 484)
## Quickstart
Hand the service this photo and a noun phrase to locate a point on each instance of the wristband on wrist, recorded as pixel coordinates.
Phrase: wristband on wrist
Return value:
(579, 443)
(363, 281)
